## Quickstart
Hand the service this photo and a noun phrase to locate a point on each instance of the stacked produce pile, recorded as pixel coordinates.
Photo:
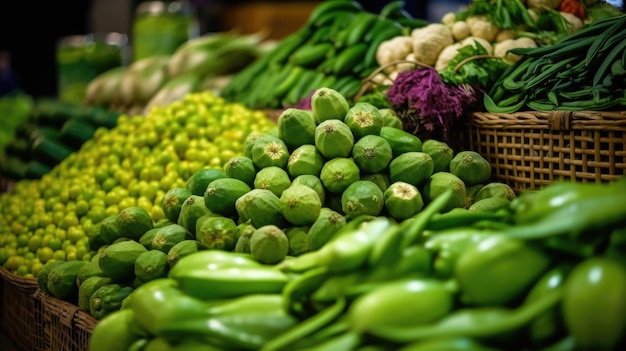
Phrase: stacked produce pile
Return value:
(132, 164)
(200, 64)
(51, 131)
(288, 194)
(487, 30)
(335, 48)
(547, 273)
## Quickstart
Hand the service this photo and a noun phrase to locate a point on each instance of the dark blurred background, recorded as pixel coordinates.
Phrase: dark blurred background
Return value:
(30, 31)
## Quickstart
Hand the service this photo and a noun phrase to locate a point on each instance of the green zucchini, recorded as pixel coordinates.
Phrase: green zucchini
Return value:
(75, 132)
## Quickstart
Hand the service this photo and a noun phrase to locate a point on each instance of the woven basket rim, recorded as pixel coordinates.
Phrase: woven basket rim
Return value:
(557, 120)
(18, 281)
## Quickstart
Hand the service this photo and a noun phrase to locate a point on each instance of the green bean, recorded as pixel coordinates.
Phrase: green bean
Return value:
(615, 25)
(607, 61)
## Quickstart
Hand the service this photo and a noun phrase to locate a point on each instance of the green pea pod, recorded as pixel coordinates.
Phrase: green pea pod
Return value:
(243, 323)
(548, 326)
(447, 344)
(448, 245)
(113, 333)
(345, 252)
(594, 307)
(159, 303)
(497, 269)
(477, 322)
(400, 303)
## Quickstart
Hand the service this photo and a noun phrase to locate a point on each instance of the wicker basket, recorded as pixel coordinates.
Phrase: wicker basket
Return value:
(21, 313)
(528, 150)
(67, 327)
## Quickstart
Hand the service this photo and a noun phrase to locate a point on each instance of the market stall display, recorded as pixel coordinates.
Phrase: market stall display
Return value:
(285, 211)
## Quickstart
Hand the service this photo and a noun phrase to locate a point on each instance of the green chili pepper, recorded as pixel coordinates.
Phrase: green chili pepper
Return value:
(448, 245)
(335, 286)
(447, 344)
(498, 269)
(344, 252)
(477, 322)
(159, 302)
(548, 326)
(112, 332)
(400, 303)
(594, 304)
(246, 322)
(585, 207)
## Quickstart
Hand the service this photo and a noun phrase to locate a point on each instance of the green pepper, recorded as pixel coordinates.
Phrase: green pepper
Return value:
(113, 333)
(497, 269)
(594, 304)
(448, 245)
(159, 303)
(400, 303)
(548, 326)
(246, 322)
(585, 207)
(470, 322)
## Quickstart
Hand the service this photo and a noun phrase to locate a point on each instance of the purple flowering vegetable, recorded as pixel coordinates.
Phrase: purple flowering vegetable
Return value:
(421, 97)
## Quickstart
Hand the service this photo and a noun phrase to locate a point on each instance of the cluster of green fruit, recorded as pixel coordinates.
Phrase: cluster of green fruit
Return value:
(297, 185)
(132, 164)
(336, 48)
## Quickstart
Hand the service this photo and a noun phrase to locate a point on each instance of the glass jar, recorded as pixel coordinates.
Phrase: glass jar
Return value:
(81, 58)
(160, 27)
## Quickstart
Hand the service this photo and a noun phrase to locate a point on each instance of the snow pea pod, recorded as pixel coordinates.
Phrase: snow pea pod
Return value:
(497, 269)
(594, 307)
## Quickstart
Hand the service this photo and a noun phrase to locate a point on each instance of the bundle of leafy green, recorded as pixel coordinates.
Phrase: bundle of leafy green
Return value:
(472, 65)
(426, 103)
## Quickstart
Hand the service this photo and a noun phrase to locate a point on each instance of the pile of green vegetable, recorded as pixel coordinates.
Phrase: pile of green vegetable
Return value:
(584, 71)
(51, 130)
(336, 48)
(548, 272)
(203, 63)
(130, 165)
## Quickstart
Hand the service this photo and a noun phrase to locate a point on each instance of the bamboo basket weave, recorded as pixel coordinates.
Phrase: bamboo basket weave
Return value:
(530, 149)
(21, 313)
(67, 327)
